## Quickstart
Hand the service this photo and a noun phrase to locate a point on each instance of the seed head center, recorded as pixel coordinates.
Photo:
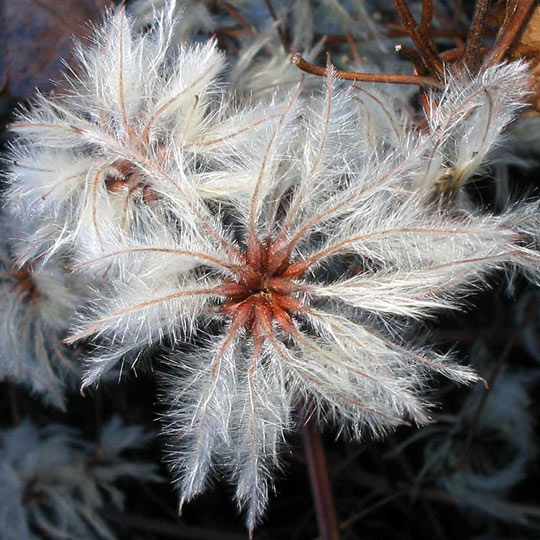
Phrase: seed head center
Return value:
(25, 284)
(123, 175)
(264, 291)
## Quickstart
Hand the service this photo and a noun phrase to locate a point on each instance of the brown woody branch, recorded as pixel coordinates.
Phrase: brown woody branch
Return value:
(428, 54)
(390, 78)
(515, 22)
(471, 58)
(425, 23)
(281, 33)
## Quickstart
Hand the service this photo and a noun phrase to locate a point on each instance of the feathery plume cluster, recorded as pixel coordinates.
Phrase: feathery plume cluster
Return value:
(56, 484)
(196, 16)
(282, 251)
(479, 459)
(263, 65)
(37, 305)
(466, 123)
(129, 132)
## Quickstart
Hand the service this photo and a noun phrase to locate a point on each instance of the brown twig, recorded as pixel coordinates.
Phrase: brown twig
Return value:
(229, 32)
(429, 55)
(425, 22)
(516, 22)
(427, 16)
(452, 55)
(235, 14)
(396, 30)
(281, 33)
(471, 58)
(420, 69)
(410, 53)
(391, 78)
(320, 482)
(354, 49)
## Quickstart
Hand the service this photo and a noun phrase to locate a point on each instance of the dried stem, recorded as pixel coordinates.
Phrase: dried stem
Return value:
(516, 22)
(425, 23)
(396, 30)
(354, 49)
(390, 78)
(427, 16)
(471, 58)
(320, 482)
(429, 56)
(410, 53)
(281, 33)
(235, 14)
(458, 9)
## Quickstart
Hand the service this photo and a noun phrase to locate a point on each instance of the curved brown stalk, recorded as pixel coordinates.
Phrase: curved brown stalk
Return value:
(319, 480)
(422, 43)
(390, 78)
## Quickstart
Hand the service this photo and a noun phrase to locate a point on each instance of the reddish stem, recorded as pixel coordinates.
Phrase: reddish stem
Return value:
(425, 23)
(320, 481)
(281, 33)
(411, 54)
(429, 56)
(471, 58)
(427, 16)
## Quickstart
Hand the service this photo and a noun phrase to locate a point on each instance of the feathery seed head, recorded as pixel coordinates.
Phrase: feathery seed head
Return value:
(130, 133)
(465, 125)
(312, 284)
(52, 479)
(37, 301)
(303, 230)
